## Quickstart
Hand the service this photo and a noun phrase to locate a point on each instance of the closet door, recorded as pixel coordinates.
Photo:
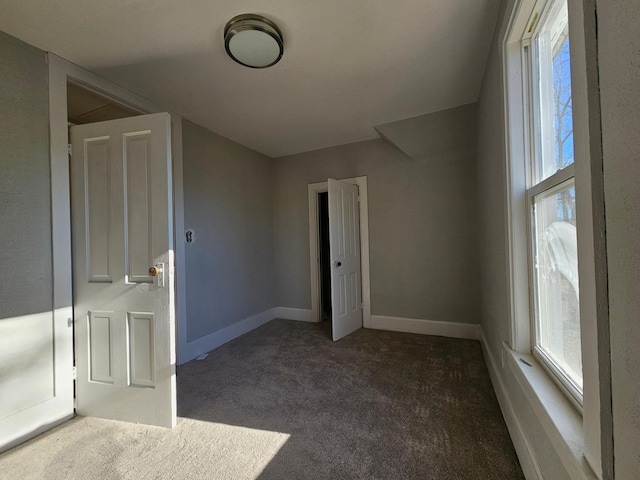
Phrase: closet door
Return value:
(344, 240)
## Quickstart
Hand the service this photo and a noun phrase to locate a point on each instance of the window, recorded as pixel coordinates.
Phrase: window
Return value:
(552, 209)
(550, 198)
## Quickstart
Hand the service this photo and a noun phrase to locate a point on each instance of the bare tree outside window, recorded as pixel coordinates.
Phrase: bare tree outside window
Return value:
(563, 121)
(563, 118)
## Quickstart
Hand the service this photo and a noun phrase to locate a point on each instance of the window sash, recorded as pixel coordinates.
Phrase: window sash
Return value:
(557, 373)
(538, 51)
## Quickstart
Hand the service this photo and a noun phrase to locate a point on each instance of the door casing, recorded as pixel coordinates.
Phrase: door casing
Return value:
(314, 247)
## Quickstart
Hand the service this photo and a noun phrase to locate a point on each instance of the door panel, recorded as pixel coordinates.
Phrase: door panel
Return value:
(137, 207)
(344, 240)
(98, 202)
(101, 347)
(141, 352)
(122, 226)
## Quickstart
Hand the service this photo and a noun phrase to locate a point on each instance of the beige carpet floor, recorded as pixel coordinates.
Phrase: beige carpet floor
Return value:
(285, 402)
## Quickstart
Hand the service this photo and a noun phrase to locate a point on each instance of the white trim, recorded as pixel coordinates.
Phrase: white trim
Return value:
(299, 314)
(519, 15)
(61, 72)
(364, 251)
(525, 452)
(195, 348)
(592, 258)
(178, 232)
(61, 253)
(60, 191)
(426, 327)
(314, 189)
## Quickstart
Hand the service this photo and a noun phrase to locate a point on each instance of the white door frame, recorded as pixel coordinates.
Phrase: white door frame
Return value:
(62, 72)
(314, 248)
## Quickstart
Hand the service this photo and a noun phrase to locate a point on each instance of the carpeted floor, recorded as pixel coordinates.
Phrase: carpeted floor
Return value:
(285, 402)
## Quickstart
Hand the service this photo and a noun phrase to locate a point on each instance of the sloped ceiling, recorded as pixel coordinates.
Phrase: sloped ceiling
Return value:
(348, 66)
(432, 135)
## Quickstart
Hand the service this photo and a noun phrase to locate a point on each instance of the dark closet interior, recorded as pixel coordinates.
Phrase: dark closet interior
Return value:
(325, 256)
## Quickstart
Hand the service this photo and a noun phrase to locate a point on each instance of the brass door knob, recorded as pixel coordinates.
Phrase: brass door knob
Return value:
(153, 271)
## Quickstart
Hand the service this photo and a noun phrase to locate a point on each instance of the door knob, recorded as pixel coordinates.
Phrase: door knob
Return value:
(154, 271)
(338, 264)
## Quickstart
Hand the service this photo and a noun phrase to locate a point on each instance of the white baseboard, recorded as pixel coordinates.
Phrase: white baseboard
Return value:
(529, 465)
(426, 327)
(205, 344)
(300, 314)
(191, 350)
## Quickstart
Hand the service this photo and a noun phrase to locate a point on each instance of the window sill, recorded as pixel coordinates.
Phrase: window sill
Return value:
(559, 419)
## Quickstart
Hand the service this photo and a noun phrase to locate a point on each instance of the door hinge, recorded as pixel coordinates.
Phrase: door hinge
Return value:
(69, 149)
(74, 372)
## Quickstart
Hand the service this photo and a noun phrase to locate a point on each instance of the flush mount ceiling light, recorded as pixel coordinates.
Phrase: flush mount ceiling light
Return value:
(253, 41)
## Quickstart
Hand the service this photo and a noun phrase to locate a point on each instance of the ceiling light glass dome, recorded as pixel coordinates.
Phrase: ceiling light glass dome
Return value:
(253, 41)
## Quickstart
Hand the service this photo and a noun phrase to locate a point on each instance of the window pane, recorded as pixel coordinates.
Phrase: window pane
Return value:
(555, 149)
(556, 280)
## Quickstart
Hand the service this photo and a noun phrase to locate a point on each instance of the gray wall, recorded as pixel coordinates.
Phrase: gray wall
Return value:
(26, 289)
(619, 65)
(421, 224)
(492, 200)
(228, 203)
(25, 192)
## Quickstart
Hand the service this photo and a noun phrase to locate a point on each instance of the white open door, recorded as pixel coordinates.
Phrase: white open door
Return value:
(344, 241)
(123, 263)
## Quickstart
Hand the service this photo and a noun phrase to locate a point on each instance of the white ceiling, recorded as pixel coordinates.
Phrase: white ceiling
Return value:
(348, 66)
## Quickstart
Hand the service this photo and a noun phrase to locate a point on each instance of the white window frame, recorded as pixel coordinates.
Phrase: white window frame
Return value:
(535, 132)
(575, 437)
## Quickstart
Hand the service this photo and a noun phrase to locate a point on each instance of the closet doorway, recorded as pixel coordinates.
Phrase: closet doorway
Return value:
(340, 288)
